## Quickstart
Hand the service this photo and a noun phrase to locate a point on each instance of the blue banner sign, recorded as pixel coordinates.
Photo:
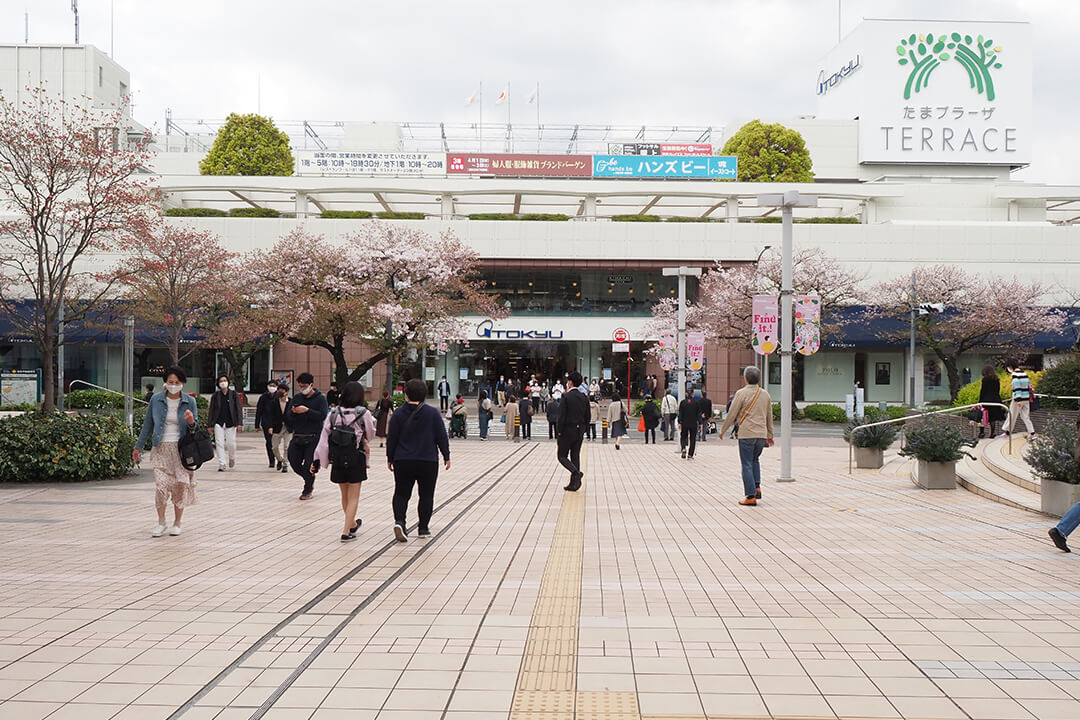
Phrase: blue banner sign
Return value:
(703, 167)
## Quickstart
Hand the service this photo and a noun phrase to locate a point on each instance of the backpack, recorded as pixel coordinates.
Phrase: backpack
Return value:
(344, 452)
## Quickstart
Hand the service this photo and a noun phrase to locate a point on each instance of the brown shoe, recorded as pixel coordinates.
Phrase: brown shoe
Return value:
(748, 501)
(758, 495)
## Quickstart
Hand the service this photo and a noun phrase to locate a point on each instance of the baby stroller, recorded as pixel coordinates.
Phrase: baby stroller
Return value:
(457, 421)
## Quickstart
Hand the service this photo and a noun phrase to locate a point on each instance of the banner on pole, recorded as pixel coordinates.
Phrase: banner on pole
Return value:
(669, 351)
(807, 324)
(764, 324)
(695, 350)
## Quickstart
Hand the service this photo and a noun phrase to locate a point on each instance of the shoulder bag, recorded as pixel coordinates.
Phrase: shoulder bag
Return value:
(195, 448)
(735, 428)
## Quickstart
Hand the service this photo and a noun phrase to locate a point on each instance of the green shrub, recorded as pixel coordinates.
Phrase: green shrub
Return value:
(547, 217)
(398, 398)
(493, 216)
(689, 219)
(393, 215)
(19, 407)
(879, 437)
(796, 413)
(641, 403)
(825, 413)
(895, 412)
(346, 214)
(1052, 453)
(932, 439)
(636, 218)
(831, 221)
(254, 212)
(196, 212)
(63, 448)
(1062, 379)
(969, 394)
(92, 400)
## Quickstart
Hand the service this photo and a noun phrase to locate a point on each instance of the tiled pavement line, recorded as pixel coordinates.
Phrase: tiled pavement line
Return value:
(332, 635)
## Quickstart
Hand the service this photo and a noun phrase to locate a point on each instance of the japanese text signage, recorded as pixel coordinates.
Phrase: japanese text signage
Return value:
(710, 167)
(659, 149)
(933, 92)
(520, 165)
(764, 324)
(347, 162)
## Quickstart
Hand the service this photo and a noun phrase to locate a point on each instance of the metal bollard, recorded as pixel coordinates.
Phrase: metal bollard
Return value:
(603, 427)
(517, 428)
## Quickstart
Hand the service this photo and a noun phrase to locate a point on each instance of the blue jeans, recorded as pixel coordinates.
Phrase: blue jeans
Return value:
(749, 452)
(483, 423)
(1069, 520)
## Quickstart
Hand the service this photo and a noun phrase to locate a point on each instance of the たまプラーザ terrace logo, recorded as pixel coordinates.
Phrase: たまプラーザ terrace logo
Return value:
(924, 53)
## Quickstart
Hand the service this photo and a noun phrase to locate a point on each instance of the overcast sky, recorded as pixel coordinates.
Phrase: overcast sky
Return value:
(688, 62)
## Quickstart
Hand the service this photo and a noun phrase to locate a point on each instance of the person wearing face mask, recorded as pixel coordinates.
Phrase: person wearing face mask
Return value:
(305, 416)
(169, 417)
(262, 419)
(226, 413)
(280, 430)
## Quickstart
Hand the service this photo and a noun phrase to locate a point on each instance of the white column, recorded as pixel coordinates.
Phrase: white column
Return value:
(786, 331)
(301, 205)
(447, 207)
(590, 208)
(731, 206)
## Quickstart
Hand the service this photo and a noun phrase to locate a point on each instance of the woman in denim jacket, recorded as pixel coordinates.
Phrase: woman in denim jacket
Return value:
(169, 416)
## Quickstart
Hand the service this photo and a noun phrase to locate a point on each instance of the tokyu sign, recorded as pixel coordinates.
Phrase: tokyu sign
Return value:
(933, 92)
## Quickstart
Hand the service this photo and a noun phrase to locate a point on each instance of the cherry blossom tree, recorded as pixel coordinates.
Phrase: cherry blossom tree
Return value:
(75, 190)
(391, 287)
(979, 313)
(722, 309)
(171, 276)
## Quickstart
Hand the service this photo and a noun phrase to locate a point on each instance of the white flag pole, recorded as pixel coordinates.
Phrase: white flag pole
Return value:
(537, 116)
(480, 125)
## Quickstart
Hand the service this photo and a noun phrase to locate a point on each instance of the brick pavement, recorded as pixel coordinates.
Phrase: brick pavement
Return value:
(651, 594)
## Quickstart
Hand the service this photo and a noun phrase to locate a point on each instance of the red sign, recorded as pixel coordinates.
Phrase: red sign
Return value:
(685, 149)
(620, 335)
(519, 164)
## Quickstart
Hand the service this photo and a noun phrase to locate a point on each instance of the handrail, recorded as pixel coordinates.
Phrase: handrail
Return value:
(1057, 397)
(851, 435)
(108, 390)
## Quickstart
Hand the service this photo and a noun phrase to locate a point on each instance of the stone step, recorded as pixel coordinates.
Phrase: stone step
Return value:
(975, 476)
(1008, 465)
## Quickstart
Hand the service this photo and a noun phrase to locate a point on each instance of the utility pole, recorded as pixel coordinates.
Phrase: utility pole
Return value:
(911, 357)
(60, 356)
(129, 370)
(787, 201)
(682, 272)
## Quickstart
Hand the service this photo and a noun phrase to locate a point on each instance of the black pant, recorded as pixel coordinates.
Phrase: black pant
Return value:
(569, 450)
(688, 433)
(268, 436)
(444, 402)
(649, 430)
(414, 472)
(591, 433)
(301, 456)
(526, 430)
(552, 433)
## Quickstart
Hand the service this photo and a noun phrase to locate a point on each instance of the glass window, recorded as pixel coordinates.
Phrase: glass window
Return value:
(626, 292)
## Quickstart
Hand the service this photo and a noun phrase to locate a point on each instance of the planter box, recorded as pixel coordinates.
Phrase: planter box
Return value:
(935, 475)
(1057, 497)
(872, 458)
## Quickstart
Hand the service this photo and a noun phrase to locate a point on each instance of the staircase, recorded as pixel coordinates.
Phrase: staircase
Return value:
(1000, 475)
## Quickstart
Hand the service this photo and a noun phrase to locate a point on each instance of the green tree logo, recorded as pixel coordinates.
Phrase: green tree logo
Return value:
(925, 52)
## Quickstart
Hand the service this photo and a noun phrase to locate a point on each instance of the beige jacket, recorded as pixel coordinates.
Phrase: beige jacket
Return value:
(758, 421)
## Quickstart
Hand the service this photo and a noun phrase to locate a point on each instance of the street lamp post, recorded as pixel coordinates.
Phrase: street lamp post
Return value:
(682, 272)
(790, 199)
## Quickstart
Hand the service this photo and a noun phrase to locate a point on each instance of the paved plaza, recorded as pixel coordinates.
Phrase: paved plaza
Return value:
(649, 594)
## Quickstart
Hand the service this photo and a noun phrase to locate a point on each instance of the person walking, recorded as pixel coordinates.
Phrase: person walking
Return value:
(650, 413)
(669, 410)
(751, 410)
(594, 390)
(616, 418)
(525, 413)
(533, 389)
(345, 447)
(279, 429)
(483, 412)
(149, 392)
(262, 419)
(333, 396)
(226, 413)
(500, 390)
(444, 394)
(510, 412)
(594, 415)
(383, 408)
(553, 418)
(416, 438)
(170, 416)
(572, 417)
(990, 392)
(458, 413)
(1020, 407)
(688, 423)
(305, 416)
(706, 416)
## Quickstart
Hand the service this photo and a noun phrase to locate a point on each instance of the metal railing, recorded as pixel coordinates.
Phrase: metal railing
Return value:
(105, 389)
(851, 435)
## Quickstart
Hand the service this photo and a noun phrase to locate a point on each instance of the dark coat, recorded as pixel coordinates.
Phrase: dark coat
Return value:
(574, 413)
(383, 409)
(990, 392)
(651, 415)
(235, 409)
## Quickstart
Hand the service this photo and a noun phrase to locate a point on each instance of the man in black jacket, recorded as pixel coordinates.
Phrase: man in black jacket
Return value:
(571, 422)
(305, 416)
(263, 413)
(689, 413)
(226, 413)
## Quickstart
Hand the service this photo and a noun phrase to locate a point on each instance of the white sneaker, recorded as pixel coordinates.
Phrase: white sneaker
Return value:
(399, 533)
(175, 530)
(158, 531)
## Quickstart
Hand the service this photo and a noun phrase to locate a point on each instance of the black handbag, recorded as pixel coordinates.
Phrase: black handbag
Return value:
(195, 448)
(975, 415)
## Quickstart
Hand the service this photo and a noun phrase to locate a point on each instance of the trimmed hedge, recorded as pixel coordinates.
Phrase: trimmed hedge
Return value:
(19, 407)
(825, 413)
(796, 413)
(63, 448)
(254, 212)
(346, 214)
(196, 212)
(390, 215)
(641, 404)
(635, 218)
(547, 217)
(689, 219)
(1062, 379)
(806, 221)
